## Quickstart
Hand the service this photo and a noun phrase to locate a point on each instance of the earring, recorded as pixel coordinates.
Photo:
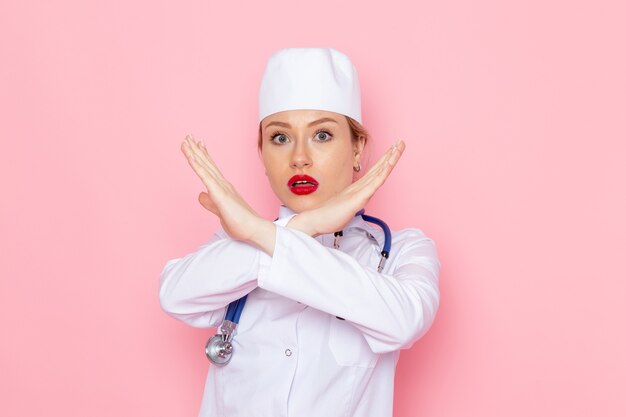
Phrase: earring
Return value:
(357, 168)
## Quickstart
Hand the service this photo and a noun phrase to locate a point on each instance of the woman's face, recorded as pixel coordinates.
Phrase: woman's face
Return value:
(308, 156)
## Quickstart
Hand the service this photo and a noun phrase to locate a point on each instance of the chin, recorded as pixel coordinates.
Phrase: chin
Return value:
(300, 205)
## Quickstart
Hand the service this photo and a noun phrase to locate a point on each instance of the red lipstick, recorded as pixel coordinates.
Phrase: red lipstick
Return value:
(302, 184)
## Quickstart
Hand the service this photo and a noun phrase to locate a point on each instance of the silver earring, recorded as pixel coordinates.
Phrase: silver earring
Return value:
(357, 168)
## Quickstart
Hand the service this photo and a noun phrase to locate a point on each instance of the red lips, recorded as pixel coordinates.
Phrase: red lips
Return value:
(302, 184)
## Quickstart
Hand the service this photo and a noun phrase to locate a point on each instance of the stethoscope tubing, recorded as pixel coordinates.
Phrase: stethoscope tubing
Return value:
(235, 308)
(383, 225)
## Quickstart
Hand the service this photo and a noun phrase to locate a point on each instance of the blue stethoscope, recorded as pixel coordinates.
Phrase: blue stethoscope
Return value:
(219, 348)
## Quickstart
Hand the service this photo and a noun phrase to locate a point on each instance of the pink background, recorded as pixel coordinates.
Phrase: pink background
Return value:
(513, 114)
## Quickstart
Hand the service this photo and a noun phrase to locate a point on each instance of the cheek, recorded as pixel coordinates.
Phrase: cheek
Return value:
(271, 169)
(338, 170)
(268, 162)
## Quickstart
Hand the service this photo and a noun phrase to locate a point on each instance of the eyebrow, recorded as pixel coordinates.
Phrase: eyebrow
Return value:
(313, 123)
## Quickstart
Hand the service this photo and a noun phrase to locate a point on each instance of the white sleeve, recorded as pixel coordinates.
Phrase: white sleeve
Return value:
(392, 310)
(197, 288)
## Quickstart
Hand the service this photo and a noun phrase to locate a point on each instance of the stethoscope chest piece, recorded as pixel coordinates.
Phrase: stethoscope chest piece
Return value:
(218, 350)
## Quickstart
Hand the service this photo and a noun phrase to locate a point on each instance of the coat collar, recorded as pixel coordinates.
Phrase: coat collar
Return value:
(356, 223)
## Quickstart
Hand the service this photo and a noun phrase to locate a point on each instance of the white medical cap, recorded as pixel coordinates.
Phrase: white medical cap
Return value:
(311, 79)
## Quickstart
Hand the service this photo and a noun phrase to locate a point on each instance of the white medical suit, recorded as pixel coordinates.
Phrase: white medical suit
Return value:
(293, 354)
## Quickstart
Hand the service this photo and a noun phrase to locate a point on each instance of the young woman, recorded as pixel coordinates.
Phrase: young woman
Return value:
(324, 319)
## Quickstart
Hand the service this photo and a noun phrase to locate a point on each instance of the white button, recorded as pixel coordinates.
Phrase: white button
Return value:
(288, 352)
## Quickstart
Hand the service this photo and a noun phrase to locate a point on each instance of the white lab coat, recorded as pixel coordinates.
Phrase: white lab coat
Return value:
(292, 355)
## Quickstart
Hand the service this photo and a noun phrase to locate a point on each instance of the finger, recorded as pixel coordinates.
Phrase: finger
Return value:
(197, 150)
(379, 179)
(211, 162)
(204, 150)
(217, 187)
(380, 175)
(208, 178)
(391, 161)
(398, 149)
(193, 159)
(190, 148)
(214, 181)
(378, 165)
(200, 150)
(374, 172)
(377, 175)
(389, 158)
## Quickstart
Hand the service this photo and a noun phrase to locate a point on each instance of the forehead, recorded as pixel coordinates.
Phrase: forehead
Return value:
(301, 118)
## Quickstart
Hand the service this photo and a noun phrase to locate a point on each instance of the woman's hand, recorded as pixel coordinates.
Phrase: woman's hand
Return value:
(339, 210)
(238, 219)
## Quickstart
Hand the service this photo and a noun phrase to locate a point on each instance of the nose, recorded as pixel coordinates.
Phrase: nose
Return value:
(300, 156)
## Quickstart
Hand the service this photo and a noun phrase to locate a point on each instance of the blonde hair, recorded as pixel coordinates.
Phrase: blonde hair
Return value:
(356, 130)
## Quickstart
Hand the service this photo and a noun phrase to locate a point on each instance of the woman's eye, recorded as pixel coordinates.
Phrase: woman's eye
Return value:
(323, 136)
(279, 138)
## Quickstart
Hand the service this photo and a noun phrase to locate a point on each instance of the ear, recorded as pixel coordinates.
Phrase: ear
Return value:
(358, 146)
